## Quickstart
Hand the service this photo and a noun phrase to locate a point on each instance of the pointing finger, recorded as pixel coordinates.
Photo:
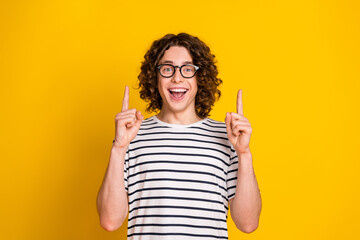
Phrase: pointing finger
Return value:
(239, 105)
(125, 104)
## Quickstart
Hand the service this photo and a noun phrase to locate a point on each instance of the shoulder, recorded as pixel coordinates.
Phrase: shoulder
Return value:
(212, 124)
(148, 121)
(215, 121)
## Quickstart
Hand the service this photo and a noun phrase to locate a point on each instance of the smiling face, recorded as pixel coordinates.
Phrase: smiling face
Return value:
(177, 93)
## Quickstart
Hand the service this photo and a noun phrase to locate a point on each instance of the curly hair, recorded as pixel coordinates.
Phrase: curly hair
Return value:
(206, 76)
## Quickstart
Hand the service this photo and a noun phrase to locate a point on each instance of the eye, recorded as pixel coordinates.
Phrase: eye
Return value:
(188, 69)
(167, 69)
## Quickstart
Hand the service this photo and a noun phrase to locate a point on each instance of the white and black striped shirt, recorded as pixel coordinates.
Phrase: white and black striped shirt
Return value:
(179, 179)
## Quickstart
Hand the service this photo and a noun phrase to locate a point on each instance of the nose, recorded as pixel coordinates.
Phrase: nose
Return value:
(177, 75)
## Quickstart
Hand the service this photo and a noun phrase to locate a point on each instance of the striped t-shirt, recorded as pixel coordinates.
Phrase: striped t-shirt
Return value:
(179, 179)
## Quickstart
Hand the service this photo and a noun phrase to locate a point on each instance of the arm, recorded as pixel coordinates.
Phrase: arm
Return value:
(245, 207)
(112, 200)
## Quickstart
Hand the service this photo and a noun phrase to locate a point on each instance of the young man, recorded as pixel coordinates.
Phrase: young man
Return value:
(177, 172)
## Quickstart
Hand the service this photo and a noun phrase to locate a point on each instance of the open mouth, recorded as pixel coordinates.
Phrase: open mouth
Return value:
(178, 92)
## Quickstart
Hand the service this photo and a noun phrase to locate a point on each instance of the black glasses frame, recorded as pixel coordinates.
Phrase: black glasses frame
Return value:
(180, 67)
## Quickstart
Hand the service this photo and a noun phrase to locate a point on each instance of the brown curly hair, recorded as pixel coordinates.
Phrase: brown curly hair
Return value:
(206, 76)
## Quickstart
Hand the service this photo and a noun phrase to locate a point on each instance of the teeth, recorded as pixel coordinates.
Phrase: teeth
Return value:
(177, 90)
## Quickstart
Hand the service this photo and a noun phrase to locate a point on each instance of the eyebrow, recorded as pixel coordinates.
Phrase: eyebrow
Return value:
(186, 62)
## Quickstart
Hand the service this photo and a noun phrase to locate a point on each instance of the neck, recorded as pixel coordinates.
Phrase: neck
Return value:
(178, 118)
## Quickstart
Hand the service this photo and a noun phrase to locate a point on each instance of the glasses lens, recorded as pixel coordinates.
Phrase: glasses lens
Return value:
(188, 71)
(167, 70)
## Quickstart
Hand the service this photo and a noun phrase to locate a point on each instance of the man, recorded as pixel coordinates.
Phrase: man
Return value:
(176, 172)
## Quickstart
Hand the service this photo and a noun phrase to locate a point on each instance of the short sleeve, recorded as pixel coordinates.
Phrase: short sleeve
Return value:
(231, 177)
(126, 170)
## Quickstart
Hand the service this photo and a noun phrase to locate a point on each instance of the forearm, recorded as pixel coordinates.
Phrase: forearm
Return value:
(112, 200)
(246, 205)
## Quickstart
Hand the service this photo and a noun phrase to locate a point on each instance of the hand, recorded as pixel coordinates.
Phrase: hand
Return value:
(127, 123)
(238, 128)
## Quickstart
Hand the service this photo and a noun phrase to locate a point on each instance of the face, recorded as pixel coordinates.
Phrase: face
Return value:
(178, 93)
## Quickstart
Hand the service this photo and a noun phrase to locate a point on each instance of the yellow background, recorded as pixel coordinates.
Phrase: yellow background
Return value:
(63, 68)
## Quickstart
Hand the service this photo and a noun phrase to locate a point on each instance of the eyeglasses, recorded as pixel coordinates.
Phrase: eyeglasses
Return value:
(168, 70)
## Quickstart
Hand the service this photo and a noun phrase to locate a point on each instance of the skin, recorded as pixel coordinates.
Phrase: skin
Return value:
(112, 201)
(177, 112)
(245, 207)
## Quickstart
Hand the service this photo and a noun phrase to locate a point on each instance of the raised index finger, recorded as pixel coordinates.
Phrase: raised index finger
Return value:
(125, 104)
(239, 105)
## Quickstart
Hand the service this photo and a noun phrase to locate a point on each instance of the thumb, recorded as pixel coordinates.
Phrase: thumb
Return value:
(228, 122)
(139, 118)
